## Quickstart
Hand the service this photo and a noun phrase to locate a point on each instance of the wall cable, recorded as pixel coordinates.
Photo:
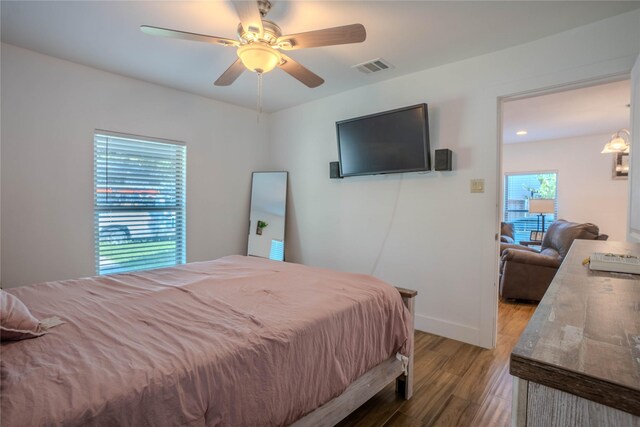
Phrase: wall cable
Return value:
(391, 221)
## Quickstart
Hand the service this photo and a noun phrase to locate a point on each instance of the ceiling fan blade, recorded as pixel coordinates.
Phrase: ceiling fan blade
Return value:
(165, 32)
(354, 33)
(249, 15)
(300, 73)
(232, 73)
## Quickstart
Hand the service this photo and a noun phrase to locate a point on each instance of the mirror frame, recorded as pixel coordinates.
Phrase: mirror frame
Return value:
(286, 191)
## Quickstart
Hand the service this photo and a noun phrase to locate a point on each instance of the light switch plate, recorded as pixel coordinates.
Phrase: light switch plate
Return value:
(477, 185)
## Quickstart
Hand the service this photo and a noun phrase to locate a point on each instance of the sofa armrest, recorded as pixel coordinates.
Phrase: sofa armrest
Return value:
(531, 258)
(504, 246)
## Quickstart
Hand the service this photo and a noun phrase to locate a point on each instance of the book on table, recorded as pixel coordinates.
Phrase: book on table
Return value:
(620, 263)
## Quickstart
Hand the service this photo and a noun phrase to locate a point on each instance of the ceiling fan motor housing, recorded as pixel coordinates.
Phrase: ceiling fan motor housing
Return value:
(270, 34)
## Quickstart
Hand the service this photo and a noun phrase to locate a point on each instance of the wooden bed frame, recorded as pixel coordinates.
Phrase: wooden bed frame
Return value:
(365, 387)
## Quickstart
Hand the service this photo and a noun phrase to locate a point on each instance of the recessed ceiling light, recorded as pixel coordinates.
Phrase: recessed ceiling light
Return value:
(521, 132)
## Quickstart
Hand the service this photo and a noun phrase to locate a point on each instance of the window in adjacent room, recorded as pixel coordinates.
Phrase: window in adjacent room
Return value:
(139, 203)
(519, 189)
(277, 250)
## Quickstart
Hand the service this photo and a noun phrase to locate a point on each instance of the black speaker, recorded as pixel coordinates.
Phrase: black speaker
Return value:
(444, 160)
(334, 170)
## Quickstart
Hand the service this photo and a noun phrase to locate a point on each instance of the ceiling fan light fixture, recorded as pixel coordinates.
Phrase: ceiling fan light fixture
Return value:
(259, 40)
(259, 57)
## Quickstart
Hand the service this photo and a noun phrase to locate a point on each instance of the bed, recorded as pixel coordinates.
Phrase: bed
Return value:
(236, 341)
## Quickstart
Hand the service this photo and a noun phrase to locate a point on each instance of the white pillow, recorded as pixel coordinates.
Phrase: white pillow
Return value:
(16, 321)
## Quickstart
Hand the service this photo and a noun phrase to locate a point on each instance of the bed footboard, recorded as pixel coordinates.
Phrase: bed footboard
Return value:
(367, 385)
(404, 383)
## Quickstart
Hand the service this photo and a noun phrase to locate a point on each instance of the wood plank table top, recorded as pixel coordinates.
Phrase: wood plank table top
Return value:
(584, 337)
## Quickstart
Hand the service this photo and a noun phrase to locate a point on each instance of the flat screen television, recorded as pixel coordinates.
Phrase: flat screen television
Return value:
(390, 142)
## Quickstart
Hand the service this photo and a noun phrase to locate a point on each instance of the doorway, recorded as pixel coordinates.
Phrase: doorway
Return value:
(551, 167)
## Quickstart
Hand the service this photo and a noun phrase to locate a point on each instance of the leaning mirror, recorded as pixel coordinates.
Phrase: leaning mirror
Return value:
(267, 215)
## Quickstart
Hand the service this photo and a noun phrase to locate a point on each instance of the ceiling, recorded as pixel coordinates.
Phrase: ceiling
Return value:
(601, 109)
(411, 35)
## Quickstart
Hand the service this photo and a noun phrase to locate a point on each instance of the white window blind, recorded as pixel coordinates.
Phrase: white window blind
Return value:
(518, 190)
(139, 203)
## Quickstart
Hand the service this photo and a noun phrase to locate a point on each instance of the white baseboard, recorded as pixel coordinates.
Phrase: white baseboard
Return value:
(444, 328)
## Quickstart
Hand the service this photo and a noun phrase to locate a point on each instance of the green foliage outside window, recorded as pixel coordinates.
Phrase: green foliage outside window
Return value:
(547, 189)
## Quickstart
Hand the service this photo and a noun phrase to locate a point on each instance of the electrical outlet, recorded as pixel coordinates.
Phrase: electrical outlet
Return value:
(477, 185)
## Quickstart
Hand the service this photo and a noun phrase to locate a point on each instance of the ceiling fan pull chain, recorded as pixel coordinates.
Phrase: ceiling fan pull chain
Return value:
(259, 95)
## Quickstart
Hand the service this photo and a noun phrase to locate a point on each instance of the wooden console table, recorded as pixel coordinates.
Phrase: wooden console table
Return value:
(578, 360)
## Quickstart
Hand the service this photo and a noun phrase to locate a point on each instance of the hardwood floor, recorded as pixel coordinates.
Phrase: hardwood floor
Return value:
(456, 384)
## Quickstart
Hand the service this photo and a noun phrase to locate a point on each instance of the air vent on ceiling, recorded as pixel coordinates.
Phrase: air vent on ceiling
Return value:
(373, 66)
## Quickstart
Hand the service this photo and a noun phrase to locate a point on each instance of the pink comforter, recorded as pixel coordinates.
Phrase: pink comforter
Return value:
(237, 341)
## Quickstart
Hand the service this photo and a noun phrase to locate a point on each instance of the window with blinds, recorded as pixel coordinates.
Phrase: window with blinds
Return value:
(277, 250)
(139, 203)
(518, 190)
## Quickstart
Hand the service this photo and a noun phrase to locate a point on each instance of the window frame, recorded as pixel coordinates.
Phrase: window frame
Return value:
(505, 201)
(179, 208)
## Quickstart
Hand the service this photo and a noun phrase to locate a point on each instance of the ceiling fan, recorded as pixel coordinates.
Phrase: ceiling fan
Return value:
(260, 43)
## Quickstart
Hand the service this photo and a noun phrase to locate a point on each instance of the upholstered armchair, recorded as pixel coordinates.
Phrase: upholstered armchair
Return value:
(526, 273)
(506, 233)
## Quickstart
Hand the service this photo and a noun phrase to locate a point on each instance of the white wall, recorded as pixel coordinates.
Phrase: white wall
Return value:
(426, 231)
(586, 191)
(50, 109)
